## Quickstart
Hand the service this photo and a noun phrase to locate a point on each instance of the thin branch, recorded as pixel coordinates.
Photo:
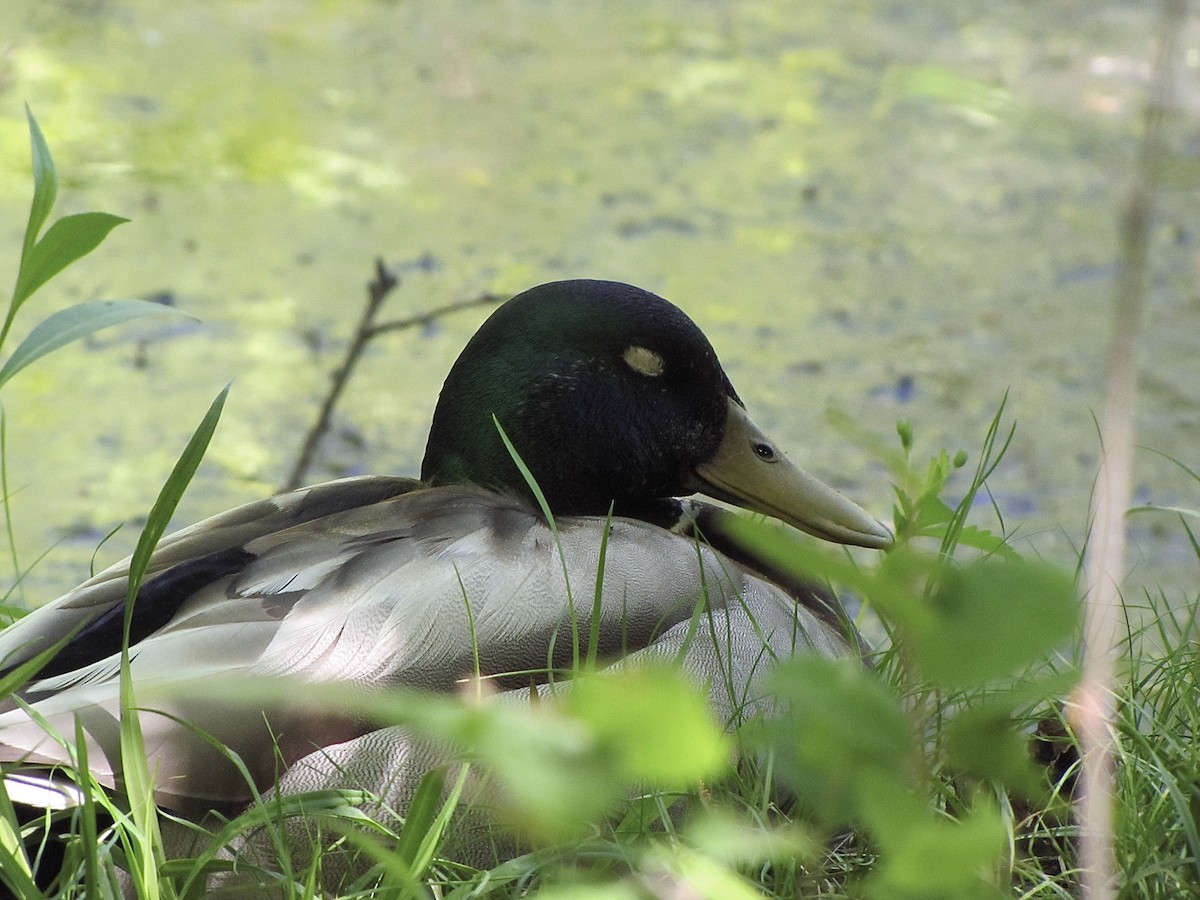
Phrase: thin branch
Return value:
(384, 282)
(381, 285)
(436, 313)
(1094, 704)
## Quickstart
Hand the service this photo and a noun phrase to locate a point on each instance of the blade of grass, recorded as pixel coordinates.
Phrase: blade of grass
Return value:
(544, 505)
(138, 779)
(432, 836)
(91, 836)
(14, 864)
(6, 497)
(598, 594)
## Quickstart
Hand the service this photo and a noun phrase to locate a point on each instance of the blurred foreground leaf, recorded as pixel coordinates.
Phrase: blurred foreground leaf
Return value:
(986, 741)
(837, 722)
(656, 725)
(927, 856)
(556, 763)
(992, 618)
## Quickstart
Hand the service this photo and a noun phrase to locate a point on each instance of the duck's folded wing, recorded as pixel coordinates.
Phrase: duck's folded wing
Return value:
(183, 563)
(420, 589)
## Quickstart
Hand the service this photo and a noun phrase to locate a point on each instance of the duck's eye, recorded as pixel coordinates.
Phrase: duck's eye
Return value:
(643, 361)
(765, 452)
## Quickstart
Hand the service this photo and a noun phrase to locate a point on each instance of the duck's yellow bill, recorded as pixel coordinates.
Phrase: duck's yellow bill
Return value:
(749, 471)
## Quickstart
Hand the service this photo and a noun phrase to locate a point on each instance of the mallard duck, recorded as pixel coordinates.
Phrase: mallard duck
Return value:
(617, 404)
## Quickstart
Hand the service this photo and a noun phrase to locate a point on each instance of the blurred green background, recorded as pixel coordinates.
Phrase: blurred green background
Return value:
(884, 209)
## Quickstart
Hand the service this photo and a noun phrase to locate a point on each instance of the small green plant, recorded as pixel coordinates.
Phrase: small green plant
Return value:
(918, 754)
(43, 256)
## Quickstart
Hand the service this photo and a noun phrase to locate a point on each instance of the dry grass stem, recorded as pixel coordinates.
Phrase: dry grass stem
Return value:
(1094, 700)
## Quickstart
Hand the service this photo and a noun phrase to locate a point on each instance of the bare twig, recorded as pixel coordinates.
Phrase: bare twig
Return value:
(380, 286)
(1094, 705)
(436, 313)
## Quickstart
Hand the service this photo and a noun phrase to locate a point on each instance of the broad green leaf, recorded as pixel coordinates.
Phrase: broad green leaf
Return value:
(837, 721)
(782, 546)
(68, 239)
(45, 184)
(552, 776)
(929, 511)
(989, 737)
(653, 724)
(924, 854)
(725, 839)
(613, 891)
(894, 589)
(985, 540)
(993, 618)
(73, 323)
(986, 741)
(697, 875)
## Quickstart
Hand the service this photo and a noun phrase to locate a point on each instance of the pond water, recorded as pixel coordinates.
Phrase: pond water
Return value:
(882, 209)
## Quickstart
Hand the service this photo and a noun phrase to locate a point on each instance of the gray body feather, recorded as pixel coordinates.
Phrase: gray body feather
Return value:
(410, 590)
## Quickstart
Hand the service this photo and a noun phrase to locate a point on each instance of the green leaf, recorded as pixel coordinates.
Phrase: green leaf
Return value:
(68, 239)
(988, 742)
(653, 724)
(169, 496)
(723, 838)
(73, 323)
(139, 781)
(838, 721)
(925, 855)
(609, 891)
(551, 775)
(988, 737)
(45, 185)
(985, 540)
(993, 618)
(779, 545)
(421, 813)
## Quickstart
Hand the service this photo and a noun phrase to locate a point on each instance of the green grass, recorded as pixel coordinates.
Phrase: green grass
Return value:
(911, 778)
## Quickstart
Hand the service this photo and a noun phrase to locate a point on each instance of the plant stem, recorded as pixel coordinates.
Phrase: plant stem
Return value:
(382, 284)
(1094, 705)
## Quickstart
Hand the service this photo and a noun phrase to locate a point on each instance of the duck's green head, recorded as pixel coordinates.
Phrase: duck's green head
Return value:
(611, 395)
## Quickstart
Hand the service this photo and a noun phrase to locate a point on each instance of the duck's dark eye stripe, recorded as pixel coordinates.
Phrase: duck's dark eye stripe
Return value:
(765, 452)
